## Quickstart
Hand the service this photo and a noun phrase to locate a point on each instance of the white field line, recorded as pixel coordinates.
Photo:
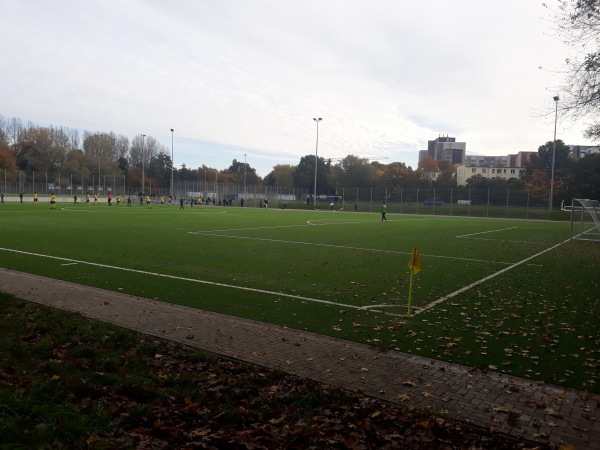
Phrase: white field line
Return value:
(211, 283)
(483, 280)
(397, 305)
(330, 221)
(312, 222)
(502, 240)
(346, 247)
(134, 210)
(308, 222)
(484, 232)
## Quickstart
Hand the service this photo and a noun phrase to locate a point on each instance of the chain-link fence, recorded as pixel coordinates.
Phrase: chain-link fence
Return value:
(67, 185)
(508, 203)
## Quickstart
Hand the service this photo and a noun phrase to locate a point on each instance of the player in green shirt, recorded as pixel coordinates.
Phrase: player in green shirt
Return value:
(383, 212)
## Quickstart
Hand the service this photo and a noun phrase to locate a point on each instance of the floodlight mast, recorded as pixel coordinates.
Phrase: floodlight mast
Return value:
(143, 162)
(553, 155)
(316, 161)
(245, 166)
(172, 131)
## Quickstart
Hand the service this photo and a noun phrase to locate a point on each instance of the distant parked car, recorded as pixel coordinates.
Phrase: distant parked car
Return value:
(433, 203)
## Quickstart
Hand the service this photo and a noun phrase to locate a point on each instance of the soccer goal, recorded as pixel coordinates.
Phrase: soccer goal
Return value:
(585, 219)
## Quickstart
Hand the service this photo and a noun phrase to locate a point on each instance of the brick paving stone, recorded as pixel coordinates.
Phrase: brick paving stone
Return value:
(512, 405)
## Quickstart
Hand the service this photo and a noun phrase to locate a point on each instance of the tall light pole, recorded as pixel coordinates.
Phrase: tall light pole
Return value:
(553, 154)
(143, 162)
(245, 176)
(172, 163)
(216, 181)
(98, 190)
(316, 161)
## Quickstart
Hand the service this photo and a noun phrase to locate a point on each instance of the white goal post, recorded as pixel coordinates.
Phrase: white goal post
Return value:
(585, 219)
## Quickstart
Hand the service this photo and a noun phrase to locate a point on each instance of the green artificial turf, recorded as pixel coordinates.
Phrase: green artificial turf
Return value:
(492, 292)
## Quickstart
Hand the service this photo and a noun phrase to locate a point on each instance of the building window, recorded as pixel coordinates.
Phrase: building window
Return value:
(512, 170)
(483, 170)
(473, 170)
(493, 170)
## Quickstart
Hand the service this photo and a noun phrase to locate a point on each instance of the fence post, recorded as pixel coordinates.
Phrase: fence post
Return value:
(469, 206)
(417, 211)
(401, 189)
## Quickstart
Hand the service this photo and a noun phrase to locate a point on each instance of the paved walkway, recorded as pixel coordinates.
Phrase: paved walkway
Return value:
(511, 405)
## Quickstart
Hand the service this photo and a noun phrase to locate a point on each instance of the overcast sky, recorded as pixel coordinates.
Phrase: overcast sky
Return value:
(236, 77)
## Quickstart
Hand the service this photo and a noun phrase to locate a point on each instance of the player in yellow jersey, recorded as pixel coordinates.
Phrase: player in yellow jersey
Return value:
(118, 200)
(52, 201)
(87, 199)
(148, 204)
(162, 200)
(35, 198)
(95, 199)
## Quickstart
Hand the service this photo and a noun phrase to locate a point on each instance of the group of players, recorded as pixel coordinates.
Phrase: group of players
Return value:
(119, 200)
(88, 197)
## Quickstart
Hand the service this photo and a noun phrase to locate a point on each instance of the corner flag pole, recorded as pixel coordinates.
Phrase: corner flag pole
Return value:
(415, 267)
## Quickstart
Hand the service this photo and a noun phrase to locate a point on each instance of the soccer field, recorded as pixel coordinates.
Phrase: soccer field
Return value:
(510, 295)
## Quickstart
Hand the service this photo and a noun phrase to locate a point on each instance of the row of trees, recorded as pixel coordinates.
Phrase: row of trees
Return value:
(31, 148)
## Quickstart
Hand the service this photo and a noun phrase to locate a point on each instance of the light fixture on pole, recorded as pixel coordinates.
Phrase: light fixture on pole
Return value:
(143, 162)
(172, 163)
(553, 154)
(316, 161)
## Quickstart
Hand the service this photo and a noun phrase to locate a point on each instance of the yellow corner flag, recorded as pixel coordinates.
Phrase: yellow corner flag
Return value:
(415, 262)
(415, 267)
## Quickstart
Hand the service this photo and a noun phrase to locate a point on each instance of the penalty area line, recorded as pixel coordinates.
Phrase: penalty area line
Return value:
(483, 280)
(484, 232)
(344, 247)
(193, 280)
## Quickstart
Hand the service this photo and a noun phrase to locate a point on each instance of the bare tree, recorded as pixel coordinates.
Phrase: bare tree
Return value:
(578, 25)
(4, 127)
(15, 129)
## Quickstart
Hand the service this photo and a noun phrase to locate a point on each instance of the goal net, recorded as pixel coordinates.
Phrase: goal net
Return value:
(585, 219)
